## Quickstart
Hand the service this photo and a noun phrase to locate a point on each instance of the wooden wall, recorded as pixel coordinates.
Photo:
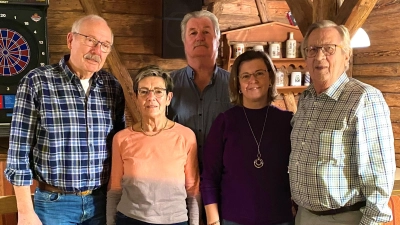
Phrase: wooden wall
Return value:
(379, 64)
(132, 21)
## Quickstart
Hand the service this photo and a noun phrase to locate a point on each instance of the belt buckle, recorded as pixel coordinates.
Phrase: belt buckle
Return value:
(84, 193)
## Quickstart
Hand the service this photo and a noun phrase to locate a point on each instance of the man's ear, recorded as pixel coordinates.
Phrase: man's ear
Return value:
(69, 39)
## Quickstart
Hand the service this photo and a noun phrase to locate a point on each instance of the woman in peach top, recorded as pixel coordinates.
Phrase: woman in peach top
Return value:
(154, 176)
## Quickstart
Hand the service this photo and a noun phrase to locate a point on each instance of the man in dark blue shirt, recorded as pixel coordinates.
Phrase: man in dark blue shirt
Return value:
(63, 119)
(200, 89)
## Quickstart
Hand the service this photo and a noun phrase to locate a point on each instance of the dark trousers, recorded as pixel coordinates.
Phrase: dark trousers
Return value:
(121, 219)
(227, 222)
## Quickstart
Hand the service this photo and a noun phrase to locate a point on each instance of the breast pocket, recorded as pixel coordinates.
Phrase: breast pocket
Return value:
(335, 146)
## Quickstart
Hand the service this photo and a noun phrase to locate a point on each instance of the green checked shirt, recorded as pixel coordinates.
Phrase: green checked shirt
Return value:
(343, 150)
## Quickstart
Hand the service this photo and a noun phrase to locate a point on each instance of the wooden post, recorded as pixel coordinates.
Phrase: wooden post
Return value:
(353, 14)
(302, 11)
(324, 10)
(262, 10)
(117, 68)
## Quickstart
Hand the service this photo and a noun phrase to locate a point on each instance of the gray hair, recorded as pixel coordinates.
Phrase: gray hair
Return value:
(77, 24)
(343, 31)
(200, 14)
(153, 71)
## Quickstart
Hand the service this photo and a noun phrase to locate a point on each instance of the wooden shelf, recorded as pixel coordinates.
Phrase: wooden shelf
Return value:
(281, 62)
(291, 89)
(261, 34)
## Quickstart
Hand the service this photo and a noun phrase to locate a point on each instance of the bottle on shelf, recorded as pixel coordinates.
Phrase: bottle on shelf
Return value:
(280, 78)
(274, 50)
(291, 47)
(307, 79)
(295, 78)
(238, 49)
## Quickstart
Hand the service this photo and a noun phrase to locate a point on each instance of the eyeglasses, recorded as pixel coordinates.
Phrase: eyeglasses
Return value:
(158, 92)
(245, 77)
(328, 49)
(93, 42)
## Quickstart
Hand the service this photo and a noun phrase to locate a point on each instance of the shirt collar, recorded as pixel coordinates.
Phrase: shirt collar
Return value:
(190, 73)
(333, 91)
(70, 74)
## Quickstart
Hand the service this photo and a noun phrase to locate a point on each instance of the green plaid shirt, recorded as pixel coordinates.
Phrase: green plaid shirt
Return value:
(343, 150)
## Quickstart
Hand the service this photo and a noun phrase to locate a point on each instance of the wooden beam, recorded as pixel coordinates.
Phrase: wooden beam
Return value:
(216, 8)
(324, 10)
(290, 102)
(353, 14)
(117, 68)
(302, 11)
(262, 10)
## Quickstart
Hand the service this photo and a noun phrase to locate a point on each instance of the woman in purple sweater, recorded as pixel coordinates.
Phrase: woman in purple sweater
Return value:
(245, 179)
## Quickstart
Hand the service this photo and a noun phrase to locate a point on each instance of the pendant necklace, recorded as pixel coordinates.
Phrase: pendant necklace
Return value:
(258, 162)
(144, 132)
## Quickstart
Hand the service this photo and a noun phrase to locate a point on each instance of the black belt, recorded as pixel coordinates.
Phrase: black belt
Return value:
(343, 209)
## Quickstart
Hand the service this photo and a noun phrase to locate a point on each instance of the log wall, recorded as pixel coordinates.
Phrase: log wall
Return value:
(133, 24)
(379, 64)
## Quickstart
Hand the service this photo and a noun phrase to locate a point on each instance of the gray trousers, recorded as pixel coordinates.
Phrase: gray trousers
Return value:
(304, 217)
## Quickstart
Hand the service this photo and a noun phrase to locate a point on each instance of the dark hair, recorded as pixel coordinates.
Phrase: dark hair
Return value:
(235, 96)
(153, 71)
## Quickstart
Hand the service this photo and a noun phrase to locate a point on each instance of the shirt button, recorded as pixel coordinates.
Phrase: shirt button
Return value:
(199, 146)
(199, 130)
(200, 114)
(297, 163)
(201, 99)
(309, 122)
(302, 143)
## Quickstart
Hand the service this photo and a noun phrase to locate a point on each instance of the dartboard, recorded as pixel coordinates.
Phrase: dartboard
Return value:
(14, 52)
(23, 47)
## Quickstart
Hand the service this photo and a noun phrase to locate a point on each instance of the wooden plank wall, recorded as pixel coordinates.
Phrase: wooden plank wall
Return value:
(244, 13)
(379, 64)
(132, 21)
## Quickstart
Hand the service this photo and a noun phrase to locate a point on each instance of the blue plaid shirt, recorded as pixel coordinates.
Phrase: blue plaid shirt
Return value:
(343, 150)
(60, 135)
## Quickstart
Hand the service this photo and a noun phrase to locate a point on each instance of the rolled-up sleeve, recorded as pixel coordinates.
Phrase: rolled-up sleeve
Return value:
(22, 136)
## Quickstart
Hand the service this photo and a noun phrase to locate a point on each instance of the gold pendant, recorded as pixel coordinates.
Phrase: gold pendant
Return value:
(258, 163)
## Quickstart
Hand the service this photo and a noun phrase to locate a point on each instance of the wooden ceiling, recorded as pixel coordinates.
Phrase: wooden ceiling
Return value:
(351, 13)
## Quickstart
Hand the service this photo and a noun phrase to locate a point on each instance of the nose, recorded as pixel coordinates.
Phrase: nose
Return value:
(252, 78)
(97, 48)
(320, 54)
(200, 36)
(151, 95)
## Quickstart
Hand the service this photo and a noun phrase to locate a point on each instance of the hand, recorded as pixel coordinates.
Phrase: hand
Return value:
(30, 218)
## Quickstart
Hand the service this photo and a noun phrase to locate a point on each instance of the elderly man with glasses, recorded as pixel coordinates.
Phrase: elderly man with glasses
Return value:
(342, 163)
(63, 121)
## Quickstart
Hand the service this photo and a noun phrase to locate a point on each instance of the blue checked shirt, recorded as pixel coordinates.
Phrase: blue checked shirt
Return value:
(60, 135)
(343, 150)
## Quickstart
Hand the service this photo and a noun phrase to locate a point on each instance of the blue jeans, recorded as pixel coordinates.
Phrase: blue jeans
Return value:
(121, 219)
(227, 222)
(62, 209)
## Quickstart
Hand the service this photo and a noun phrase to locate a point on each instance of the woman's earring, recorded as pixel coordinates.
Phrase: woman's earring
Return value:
(240, 91)
(270, 85)
(167, 110)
